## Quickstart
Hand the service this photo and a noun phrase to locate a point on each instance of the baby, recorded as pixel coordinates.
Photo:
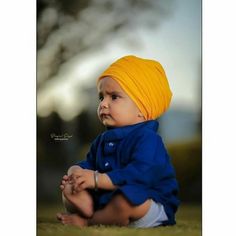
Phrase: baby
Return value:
(127, 178)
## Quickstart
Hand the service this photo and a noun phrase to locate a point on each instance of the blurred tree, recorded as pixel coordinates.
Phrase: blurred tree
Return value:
(66, 28)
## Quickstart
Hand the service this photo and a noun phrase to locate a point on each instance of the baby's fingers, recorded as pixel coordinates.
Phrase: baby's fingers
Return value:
(65, 177)
(76, 186)
(63, 182)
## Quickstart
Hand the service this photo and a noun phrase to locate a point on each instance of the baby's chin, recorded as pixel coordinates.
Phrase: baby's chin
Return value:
(108, 122)
(109, 125)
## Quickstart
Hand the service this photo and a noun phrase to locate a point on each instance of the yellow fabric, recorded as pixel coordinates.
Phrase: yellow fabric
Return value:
(145, 83)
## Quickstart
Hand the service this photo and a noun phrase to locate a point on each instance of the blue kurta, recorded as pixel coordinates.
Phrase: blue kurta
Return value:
(136, 160)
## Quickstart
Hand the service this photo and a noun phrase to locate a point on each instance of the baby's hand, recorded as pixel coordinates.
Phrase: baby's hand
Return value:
(83, 179)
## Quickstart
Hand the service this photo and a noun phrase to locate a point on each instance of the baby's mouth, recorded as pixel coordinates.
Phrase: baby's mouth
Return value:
(104, 116)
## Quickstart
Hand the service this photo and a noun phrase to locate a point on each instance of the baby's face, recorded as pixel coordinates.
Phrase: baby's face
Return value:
(116, 109)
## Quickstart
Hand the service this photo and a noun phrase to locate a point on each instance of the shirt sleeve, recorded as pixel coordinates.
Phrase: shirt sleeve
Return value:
(148, 163)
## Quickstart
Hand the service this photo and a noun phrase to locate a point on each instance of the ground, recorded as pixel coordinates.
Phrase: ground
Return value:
(188, 220)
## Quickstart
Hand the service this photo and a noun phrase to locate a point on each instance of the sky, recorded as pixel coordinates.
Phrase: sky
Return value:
(175, 43)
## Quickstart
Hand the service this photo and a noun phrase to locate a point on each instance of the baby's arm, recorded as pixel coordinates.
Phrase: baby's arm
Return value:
(81, 179)
(104, 182)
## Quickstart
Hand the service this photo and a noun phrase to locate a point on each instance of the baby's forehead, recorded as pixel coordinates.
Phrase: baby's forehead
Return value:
(109, 84)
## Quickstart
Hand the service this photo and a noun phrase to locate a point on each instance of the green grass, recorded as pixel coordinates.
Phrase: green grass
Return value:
(188, 220)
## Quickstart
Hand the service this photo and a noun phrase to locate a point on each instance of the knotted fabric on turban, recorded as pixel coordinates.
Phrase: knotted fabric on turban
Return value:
(145, 83)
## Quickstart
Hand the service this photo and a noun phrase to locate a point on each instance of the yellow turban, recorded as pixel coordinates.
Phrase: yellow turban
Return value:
(145, 83)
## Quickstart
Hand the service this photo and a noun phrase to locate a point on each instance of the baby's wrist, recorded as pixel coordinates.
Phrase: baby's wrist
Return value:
(96, 174)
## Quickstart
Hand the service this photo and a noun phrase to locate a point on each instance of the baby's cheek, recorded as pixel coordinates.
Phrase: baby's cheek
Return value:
(98, 111)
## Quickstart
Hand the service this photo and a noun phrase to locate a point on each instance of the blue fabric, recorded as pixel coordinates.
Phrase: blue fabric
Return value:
(136, 160)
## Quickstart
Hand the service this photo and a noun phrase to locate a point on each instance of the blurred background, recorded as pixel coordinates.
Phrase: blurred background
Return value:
(76, 41)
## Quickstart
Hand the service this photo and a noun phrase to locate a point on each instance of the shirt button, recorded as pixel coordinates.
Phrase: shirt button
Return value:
(106, 164)
(110, 144)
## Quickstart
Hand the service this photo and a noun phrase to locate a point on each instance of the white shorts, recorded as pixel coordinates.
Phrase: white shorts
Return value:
(154, 217)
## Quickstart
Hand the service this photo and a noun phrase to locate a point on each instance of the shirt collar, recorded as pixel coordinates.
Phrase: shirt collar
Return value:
(113, 134)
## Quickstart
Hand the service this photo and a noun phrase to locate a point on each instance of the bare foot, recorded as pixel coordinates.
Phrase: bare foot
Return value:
(72, 219)
(82, 201)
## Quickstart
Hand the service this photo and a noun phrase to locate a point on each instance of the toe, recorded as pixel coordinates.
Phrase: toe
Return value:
(66, 220)
(59, 216)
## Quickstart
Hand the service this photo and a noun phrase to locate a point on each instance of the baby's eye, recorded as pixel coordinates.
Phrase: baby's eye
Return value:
(101, 97)
(114, 97)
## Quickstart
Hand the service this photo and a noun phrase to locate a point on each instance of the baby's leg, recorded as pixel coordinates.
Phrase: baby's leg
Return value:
(81, 202)
(119, 211)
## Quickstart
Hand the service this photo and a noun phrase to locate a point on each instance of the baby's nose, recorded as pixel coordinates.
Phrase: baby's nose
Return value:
(104, 103)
